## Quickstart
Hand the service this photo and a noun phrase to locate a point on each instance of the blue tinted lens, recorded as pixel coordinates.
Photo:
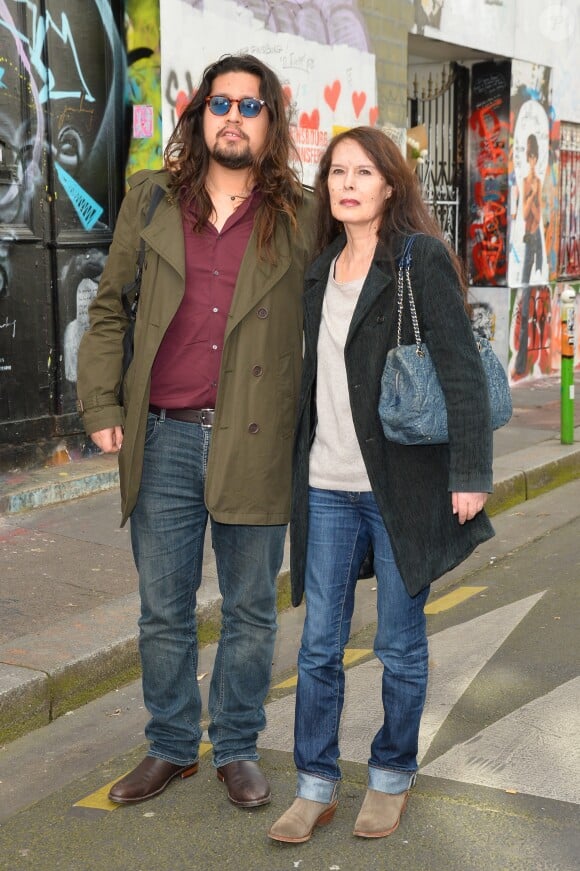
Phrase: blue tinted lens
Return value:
(219, 105)
(250, 108)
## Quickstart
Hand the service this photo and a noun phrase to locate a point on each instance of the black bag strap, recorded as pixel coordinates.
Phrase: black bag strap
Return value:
(131, 307)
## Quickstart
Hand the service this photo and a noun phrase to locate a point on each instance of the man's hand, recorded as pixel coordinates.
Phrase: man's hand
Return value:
(467, 505)
(109, 440)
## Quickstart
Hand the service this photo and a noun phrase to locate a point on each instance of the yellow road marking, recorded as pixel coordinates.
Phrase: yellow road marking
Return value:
(351, 655)
(452, 599)
(99, 800)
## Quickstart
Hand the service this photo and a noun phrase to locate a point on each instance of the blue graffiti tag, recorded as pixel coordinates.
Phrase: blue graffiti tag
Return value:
(42, 26)
(88, 210)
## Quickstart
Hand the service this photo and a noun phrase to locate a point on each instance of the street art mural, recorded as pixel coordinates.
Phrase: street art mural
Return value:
(143, 36)
(62, 85)
(529, 163)
(534, 219)
(488, 144)
(330, 83)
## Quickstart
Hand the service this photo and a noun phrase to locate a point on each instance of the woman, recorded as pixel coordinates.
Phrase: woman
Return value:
(419, 507)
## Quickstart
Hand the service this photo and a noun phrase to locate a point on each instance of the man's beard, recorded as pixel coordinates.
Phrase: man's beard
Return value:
(233, 160)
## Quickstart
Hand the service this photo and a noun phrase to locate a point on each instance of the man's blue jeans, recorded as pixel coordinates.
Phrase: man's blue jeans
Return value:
(167, 531)
(341, 525)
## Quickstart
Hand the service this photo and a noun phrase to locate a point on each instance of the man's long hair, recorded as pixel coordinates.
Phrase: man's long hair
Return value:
(404, 212)
(187, 155)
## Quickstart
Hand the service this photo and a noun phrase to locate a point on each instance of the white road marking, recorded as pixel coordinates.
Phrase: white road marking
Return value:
(534, 750)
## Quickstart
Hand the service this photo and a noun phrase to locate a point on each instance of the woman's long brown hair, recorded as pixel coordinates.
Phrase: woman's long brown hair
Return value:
(405, 212)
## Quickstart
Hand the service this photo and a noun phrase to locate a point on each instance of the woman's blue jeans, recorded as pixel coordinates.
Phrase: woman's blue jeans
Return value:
(168, 528)
(341, 525)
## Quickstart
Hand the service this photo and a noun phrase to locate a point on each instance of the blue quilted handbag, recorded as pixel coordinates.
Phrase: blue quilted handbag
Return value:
(411, 405)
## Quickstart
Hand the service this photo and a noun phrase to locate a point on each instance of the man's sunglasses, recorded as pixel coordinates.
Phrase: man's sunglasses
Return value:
(248, 107)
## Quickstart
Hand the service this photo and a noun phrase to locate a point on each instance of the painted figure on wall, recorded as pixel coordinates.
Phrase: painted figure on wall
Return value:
(530, 151)
(532, 213)
(81, 278)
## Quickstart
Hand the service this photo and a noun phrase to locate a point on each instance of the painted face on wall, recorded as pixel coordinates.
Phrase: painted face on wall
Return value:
(232, 139)
(358, 192)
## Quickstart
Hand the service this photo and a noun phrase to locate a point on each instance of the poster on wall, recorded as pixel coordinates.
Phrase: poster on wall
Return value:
(488, 144)
(530, 166)
(328, 86)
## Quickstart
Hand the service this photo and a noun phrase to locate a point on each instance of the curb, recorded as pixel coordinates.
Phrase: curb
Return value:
(54, 484)
(525, 474)
(46, 674)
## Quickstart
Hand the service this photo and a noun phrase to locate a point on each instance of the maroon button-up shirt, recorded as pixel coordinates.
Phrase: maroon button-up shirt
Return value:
(186, 368)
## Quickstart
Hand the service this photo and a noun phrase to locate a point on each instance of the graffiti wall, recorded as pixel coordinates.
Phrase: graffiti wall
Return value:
(62, 80)
(142, 34)
(488, 144)
(317, 49)
(569, 225)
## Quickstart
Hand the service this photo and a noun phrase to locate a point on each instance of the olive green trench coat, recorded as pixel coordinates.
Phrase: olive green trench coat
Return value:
(249, 465)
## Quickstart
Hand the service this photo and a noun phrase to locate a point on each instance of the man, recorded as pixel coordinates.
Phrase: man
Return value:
(209, 408)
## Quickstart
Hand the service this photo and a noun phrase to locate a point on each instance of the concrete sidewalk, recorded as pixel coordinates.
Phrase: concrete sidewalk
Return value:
(68, 557)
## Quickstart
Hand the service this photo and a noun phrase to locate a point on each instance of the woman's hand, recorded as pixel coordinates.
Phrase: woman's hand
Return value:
(109, 440)
(467, 505)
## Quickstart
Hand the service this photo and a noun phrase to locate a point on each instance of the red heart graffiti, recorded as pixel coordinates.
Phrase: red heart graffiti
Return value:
(182, 101)
(332, 93)
(373, 115)
(358, 101)
(287, 93)
(312, 121)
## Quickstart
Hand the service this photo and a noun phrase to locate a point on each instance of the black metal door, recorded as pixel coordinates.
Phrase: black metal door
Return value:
(62, 82)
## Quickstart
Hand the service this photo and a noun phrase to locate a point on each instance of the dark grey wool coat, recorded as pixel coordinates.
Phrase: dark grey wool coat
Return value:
(412, 485)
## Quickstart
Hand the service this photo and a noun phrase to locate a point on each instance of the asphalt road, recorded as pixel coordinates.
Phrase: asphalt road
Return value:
(500, 771)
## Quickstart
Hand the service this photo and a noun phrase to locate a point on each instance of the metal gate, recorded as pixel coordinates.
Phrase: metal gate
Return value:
(442, 106)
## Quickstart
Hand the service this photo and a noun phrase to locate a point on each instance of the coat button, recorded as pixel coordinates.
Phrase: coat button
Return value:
(257, 371)
(253, 428)
(262, 312)
(380, 319)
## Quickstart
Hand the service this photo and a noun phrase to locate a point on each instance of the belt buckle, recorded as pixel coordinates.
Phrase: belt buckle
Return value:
(206, 417)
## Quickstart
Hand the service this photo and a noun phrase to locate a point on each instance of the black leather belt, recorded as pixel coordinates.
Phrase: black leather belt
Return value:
(204, 416)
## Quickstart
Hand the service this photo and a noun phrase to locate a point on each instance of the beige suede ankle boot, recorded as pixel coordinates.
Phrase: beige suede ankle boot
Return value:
(380, 814)
(297, 824)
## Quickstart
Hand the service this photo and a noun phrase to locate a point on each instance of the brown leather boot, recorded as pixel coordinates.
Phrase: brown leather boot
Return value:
(297, 824)
(148, 779)
(380, 814)
(245, 782)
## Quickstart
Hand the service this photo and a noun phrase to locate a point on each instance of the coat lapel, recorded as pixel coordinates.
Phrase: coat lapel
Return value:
(257, 277)
(376, 283)
(165, 236)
